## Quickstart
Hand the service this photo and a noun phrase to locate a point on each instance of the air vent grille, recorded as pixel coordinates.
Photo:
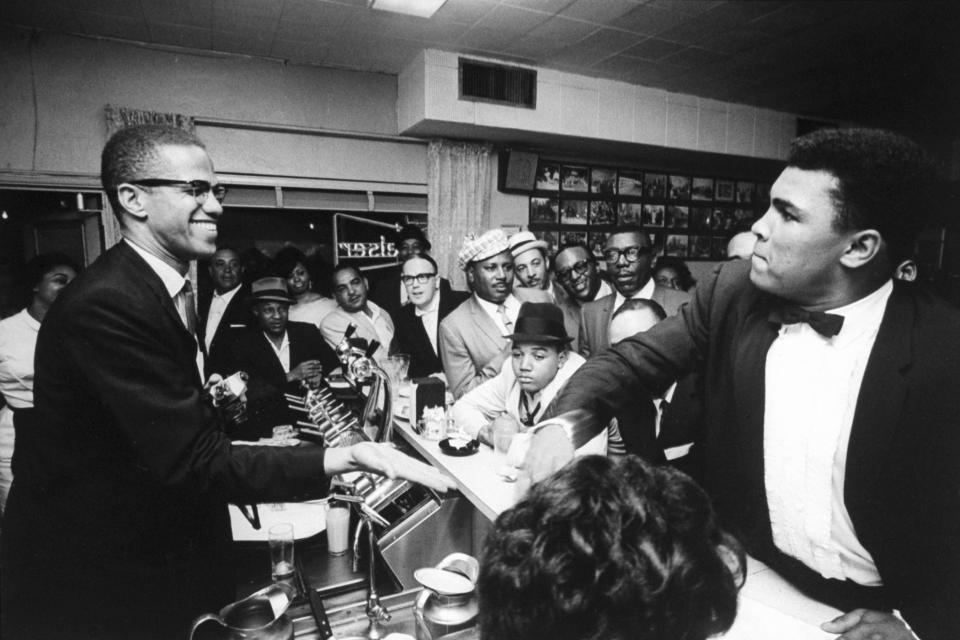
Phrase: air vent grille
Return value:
(498, 83)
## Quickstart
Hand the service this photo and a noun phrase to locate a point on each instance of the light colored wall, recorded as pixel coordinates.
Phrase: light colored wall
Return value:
(63, 128)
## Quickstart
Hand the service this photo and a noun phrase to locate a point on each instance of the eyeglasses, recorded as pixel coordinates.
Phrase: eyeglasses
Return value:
(200, 189)
(632, 254)
(579, 268)
(422, 278)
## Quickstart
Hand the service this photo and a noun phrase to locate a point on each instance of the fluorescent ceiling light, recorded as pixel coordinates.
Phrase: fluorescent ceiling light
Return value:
(419, 8)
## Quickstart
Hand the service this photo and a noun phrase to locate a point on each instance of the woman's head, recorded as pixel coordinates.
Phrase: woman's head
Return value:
(673, 273)
(44, 276)
(291, 264)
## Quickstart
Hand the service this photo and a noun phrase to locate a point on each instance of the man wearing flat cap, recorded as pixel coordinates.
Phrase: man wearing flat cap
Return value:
(279, 356)
(388, 291)
(531, 263)
(472, 341)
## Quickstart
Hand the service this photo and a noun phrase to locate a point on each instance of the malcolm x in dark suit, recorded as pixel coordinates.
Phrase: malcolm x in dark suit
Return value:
(116, 525)
(861, 401)
(416, 325)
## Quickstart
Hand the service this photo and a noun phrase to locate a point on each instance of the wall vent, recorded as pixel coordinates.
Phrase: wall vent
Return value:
(501, 84)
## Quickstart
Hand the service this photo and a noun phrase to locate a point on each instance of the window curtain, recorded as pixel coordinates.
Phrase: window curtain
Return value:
(458, 189)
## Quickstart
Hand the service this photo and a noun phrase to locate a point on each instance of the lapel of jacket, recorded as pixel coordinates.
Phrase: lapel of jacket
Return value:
(881, 397)
(603, 327)
(484, 325)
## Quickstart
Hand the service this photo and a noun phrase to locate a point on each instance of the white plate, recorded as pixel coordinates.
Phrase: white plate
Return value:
(446, 583)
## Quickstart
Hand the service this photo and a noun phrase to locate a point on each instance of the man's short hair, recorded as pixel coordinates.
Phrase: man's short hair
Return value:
(609, 548)
(422, 256)
(885, 182)
(640, 304)
(133, 153)
(345, 265)
(630, 228)
(579, 245)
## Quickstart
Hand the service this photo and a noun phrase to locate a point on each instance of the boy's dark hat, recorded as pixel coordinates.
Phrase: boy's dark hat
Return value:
(540, 322)
(269, 290)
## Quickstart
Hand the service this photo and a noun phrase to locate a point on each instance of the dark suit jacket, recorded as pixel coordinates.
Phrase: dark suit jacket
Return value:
(237, 318)
(118, 512)
(902, 489)
(266, 406)
(595, 317)
(385, 292)
(410, 336)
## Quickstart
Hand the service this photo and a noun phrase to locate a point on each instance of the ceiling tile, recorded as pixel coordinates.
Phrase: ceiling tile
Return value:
(192, 13)
(512, 19)
(737, 40)
(534, 49)
(228, 12)
(605, 12)
(578, 56)
(465, 11)
(180, 35)
(299, 51)
(546, 6)
(16, 11)
(126, 8)
(650, 20)
(562, 29)
(689, 7)
(487, 40)
(692, 31)
(651, 74)
(327, 15)
(654, 49)
(114, 26)
(695, 57)
(258, 42)
(616, 66)
(609, 40)
(734, 14)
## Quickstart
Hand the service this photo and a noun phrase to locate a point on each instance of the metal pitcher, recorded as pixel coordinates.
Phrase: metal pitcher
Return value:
(448, 601)
(259, 616)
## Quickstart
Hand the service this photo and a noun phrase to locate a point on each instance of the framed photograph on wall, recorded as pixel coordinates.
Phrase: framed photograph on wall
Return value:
(630, 183)
(679, 187)
(700, 246)
(597, 240)
(745, 192)
(763, 194)
(702, 189)
(700, 218)
(548, 177)
(718, 248)
(654, 186)
(653, 215)
(677, 216)
(721, 219)
(656, 241)
(551, 238)
(573, 212)
(742, 219)
(544, 211)
(603, 181)
(572, 237)
(723, 191)
(603, 213)
(676, 245)
(573, 178)
(630, 214)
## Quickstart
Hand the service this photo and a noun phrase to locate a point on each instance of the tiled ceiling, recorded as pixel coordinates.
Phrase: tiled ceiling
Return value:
(883, 63)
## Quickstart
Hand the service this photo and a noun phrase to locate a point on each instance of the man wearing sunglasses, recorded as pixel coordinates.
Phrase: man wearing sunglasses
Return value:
(417, 324)
(629, 257)
(118, 510)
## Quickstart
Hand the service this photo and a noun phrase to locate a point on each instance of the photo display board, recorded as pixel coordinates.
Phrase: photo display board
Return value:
(687, 215)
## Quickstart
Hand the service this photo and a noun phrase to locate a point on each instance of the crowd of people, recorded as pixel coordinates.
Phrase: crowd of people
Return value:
(830, 452)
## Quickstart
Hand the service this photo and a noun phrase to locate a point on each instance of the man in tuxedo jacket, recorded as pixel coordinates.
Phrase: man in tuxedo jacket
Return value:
(417, 324)
(278, 356)
(224, 315)
(472, 342)
(628, 255)
(117, 523)
(833, 439)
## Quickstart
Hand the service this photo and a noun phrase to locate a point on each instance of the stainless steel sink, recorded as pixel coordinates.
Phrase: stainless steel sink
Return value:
(348, 621)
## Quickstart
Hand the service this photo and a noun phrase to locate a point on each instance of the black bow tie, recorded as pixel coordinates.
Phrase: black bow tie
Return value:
(826, 324)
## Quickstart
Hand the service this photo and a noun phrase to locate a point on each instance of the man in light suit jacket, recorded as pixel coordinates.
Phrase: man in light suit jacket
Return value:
(224, 315)
(118, 510)
(628, 255)
(278, 356)
(830, 390)
(417, 325)
(472, 342)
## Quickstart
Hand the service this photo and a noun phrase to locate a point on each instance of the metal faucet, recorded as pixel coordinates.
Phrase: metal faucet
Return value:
(376, 612)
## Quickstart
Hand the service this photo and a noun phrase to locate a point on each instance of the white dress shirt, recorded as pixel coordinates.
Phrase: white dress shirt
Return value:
(430, 317)
(645, 292)
(812, 386)
(173, 283)
(282, 352)
(375, 325)
(218, 306)
(511, 304)
(18, 341)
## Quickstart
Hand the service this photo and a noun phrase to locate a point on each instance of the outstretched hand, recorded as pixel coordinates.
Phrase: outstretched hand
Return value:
(864, 624)
(550, 449)
(385, 460)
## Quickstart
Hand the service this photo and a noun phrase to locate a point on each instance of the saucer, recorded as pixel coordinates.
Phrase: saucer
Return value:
(459, 446)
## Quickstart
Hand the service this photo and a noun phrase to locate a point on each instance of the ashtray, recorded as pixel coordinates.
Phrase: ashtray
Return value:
(459, 446)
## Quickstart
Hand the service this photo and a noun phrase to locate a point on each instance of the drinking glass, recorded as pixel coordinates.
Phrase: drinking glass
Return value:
(280, 537)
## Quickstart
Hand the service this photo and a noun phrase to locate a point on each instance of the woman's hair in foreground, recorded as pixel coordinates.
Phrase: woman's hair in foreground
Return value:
(610, 549)
(37, 267)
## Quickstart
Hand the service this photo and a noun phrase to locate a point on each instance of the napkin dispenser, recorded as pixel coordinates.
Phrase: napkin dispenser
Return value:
(425, 392)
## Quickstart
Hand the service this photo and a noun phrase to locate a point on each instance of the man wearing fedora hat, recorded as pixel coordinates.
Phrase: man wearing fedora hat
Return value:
(531, 264)
(540, 363)
(472, 342)
(278, 355)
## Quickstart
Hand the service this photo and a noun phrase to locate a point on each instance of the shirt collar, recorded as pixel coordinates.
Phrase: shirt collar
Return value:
(172, 281)
(491, 307)
(645, 293)
(433, 307)
(283, 343)
(864, 314)
(228, 296)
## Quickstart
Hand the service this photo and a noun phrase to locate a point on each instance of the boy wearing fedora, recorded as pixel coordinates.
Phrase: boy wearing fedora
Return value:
(539, 364)
(278, 355)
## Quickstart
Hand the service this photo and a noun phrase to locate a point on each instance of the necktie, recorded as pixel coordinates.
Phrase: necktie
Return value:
(504, 318)
(187, 307)
(527, 416)
(826, 324)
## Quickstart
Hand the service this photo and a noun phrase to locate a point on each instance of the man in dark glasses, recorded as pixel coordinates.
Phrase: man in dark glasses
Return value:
(629, 258)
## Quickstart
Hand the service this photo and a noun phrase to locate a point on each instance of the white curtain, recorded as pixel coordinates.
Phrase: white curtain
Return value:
(458, 190)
